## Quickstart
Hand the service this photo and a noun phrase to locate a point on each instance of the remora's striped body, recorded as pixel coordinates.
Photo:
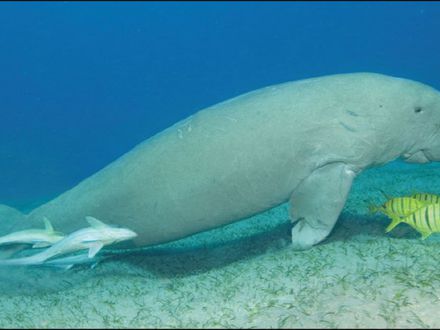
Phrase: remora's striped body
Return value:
(426, 220)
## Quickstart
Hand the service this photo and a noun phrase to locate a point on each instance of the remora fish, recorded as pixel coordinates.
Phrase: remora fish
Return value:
(70, 261)
(37, 237)
(92, 238)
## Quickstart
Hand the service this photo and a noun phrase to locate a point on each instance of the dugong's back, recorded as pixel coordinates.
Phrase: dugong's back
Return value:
(224, 163)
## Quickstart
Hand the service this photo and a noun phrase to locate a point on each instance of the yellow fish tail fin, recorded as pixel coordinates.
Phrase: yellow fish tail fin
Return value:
(374, 208)
(425, 235)
(388, 197)
(395, 221)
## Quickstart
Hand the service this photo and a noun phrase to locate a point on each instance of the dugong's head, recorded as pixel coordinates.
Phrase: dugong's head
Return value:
(417, 121)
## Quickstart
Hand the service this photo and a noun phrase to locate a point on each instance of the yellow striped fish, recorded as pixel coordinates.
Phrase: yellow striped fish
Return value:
(426, 197)
(398, 207)
(426, 220)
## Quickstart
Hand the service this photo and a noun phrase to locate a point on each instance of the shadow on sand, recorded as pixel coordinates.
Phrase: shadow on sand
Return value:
(167, 262)
(186, 262)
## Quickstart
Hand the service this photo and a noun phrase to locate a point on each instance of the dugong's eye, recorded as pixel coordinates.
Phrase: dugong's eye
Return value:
(418, 109)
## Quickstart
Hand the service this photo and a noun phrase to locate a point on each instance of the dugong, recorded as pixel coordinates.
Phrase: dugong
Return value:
(302, 141)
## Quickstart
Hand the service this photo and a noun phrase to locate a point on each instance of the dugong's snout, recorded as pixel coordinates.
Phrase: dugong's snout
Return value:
(418, 157)
(432, 151)
(433, 154)
(425, 137)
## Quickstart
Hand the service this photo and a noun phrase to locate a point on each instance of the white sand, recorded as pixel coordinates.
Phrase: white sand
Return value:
(245, 275)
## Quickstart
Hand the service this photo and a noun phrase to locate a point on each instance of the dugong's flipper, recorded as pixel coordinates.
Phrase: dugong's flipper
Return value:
(317, 202)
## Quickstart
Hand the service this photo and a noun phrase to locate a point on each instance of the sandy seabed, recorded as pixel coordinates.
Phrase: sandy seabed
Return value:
(244, 275)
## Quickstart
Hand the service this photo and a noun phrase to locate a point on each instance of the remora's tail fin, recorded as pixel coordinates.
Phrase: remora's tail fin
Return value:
(35, 259)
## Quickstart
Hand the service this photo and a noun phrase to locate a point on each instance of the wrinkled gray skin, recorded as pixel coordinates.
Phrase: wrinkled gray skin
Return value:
(303, 141)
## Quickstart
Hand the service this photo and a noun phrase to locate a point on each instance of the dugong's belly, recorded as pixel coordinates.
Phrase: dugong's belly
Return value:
(223, 164)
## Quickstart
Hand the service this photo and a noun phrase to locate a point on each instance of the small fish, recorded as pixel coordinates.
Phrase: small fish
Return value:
(92, 238)
(426, 197)
(9, 250)
(70, 261)
(398, 207)
(37, 237)
(426, 220)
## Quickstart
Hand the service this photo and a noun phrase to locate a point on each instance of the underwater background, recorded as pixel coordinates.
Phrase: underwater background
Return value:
(84, 82)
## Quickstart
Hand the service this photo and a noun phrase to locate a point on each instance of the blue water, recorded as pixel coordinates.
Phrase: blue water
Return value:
(82, 83)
